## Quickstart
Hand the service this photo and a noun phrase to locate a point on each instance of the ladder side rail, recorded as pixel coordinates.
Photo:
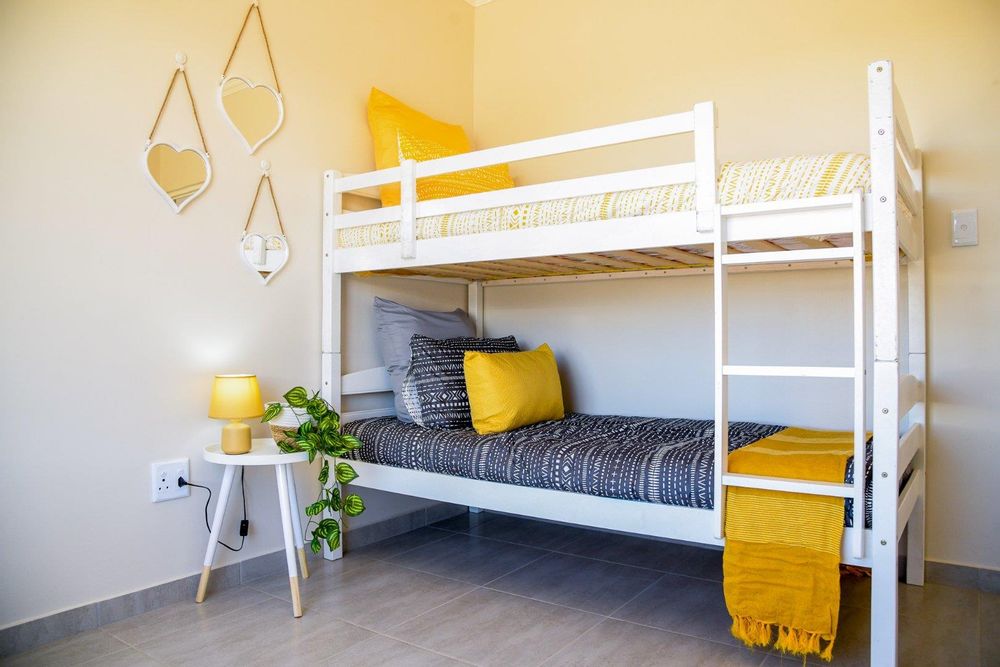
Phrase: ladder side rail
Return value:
(885, 325)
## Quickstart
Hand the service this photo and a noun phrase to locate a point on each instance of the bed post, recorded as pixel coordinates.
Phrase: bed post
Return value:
(330, 367)
(885, 311)
(917, 366)
(476, 308)
(477, 311)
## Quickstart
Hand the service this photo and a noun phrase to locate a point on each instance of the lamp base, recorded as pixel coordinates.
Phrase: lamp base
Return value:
(236, 438)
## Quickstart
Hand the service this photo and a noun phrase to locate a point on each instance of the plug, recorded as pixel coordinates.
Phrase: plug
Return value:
(181, 482)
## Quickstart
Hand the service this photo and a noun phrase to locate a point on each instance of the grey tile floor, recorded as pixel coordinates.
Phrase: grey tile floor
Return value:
(487, 589)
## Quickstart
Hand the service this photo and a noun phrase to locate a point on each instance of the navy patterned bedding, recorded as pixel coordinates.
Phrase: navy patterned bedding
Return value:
(655, 460)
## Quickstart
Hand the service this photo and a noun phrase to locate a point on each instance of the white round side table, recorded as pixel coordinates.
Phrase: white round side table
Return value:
(263, 452)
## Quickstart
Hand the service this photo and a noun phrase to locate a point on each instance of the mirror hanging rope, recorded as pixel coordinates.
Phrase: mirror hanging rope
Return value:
(255, 111)
(264, 254)
(178, 173)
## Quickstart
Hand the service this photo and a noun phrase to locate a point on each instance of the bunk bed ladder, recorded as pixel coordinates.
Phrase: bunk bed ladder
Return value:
(855, 372)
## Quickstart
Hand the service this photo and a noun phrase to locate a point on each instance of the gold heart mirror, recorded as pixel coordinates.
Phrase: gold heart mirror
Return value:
(254, 110)
(178, 174)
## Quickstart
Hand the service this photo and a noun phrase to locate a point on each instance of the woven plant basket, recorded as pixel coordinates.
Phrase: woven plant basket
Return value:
(287, 420)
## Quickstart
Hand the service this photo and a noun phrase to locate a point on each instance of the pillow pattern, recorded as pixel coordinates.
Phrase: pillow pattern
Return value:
(398, 130)
(434, 386)
(395, 324)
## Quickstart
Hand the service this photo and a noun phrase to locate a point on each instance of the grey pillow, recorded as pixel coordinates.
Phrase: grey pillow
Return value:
(395, 324)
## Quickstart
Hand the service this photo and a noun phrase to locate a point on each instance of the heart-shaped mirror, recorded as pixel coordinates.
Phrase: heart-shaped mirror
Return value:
(254, 110)
(179, 174)
(264, 254)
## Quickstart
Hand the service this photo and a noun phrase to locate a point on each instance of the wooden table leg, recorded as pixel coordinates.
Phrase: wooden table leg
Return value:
(286, 528)
(213, 537)
(297, 522)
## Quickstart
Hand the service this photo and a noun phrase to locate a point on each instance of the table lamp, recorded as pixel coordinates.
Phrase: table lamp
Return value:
(235, 397)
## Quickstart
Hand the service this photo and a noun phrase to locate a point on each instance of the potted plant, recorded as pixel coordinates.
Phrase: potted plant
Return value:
(311, 425)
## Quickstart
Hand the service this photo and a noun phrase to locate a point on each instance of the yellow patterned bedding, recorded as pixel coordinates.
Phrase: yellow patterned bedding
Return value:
(739, 183)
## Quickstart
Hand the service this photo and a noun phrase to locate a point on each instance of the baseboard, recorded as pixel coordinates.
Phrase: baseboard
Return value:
(32, 634)
(962, 576)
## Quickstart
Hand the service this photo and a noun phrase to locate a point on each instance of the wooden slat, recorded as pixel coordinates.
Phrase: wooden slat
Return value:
(761, 246)
(506, 267)
(602, 260)
(478, 268)
(540, 268)
(810, 242)
(683, 256)
(566, 263)
(645, 259)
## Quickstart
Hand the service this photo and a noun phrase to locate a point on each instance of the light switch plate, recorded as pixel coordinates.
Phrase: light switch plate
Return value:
(965, 227)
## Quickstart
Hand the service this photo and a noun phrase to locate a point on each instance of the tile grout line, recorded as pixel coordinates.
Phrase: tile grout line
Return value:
(561, 550)
(138, 646)
(418, 646)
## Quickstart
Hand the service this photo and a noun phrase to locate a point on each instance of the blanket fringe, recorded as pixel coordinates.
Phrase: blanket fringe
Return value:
(790, 640)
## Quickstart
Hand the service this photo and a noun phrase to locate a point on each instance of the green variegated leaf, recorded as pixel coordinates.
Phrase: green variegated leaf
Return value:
(305, 428)
(333, 499)
(315, 545)
(345, 473)
(353, 505)
(312, 455)
(316, 508)
(324, 473)
(287, 446)
(270, 412)
(297, 397)
(317, 408)
(351, 442)
(333, 541)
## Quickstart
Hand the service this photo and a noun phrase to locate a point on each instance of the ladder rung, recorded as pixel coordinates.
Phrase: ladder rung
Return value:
(792, 371)
(838, 490)
(789, 256)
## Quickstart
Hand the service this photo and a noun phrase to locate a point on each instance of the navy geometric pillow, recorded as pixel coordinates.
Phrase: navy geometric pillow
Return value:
(434, 385)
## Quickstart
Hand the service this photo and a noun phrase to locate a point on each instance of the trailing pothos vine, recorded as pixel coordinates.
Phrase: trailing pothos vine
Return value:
(319, 435)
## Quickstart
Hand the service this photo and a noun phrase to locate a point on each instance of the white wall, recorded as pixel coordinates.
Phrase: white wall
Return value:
(788, 77)
(644, 346)
(116, 312)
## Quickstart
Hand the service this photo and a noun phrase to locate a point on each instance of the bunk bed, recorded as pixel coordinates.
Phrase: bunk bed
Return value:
(482, 240)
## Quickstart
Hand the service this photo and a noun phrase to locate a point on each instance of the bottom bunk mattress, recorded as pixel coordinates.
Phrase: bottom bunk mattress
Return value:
(656, 460)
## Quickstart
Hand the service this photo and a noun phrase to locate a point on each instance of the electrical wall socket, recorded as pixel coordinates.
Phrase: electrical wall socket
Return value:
(165, 474)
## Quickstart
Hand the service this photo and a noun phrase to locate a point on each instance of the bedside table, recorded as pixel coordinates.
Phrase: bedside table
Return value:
(263, 452)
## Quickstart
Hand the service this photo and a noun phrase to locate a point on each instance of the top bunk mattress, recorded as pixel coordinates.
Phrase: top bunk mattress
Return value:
(752, 182)
(656, 460)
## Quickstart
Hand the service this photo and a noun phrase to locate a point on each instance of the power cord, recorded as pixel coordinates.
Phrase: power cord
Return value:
(244, 524)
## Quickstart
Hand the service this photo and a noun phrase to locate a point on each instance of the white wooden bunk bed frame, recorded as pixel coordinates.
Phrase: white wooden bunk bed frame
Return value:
(892, 212)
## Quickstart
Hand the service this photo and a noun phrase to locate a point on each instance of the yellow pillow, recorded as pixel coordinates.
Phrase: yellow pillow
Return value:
(400, 132)
(511, 389)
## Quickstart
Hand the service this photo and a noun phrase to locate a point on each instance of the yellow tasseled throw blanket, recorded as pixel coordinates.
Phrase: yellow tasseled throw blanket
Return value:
(782, 557)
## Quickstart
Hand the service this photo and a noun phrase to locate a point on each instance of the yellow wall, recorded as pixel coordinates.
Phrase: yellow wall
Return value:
(788, 77)
(116, 312)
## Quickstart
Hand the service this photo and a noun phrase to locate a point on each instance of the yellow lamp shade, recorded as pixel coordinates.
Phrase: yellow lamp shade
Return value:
(235, 397)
